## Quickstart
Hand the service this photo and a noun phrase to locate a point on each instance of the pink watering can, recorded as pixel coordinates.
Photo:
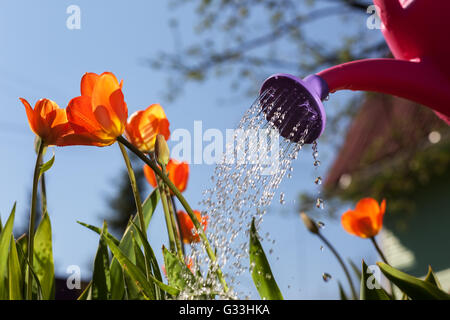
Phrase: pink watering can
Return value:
(417, 32)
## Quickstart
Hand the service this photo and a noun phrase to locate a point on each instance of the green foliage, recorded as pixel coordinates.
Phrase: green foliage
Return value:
(43, 258)
(178, 273)
(370, 288)
(261, 273)
(414, 288)
(5, 239)
(14, 264)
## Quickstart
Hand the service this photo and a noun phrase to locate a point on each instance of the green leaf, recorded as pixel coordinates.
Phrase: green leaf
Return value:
(46, 166)
(24, 258)
(261, 273)
(15, 275)
(149, 254)
(415, 288)
(87, 293)
(101, 281)
(431, 278)
(43, 258)
(131, 269)
(178, 273)
(369, 285)
(140, 259)
(99, 231)
(126, 245)
(5, 239)
(342, 294)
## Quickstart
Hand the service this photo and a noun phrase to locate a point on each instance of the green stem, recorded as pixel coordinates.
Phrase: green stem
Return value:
(31, 225)
(174, 206)
(379, 250)
(341, 262)
(137, 200)
(184, 203)
(170, 233)
(43, 193)
(172, 220)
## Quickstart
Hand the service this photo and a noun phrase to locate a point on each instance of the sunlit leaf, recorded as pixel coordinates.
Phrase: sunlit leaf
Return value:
(415, 288)
(177, 272)
(261, 273)
(370, 287)
(126, 244)
(43, 258)
(46, 166)
(154, 263)
(15, 275)
(87, 293)
(5, 239)
(431, 278)
(99, 231)
(130, 268)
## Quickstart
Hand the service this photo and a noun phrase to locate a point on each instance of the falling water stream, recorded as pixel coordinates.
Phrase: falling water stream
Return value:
(244, 184)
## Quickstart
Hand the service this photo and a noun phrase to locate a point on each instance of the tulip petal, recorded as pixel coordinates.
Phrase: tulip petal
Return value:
(150, 176)
(369, 206)
(87, 83)
(103, 88)
(347, 220)
(81, 115)
(117, 102)
(30, 115)
(103, 117)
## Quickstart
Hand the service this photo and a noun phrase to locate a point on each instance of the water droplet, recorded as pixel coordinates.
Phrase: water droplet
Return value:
(318, 181)
(319, 203)
(326, 277)
(320, 224)
(316, 163)
(282, 201)
(321, 248)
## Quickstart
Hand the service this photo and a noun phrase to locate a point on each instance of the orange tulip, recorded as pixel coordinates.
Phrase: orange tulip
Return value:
(48, 121)
(366, 220)
(188, 232)
(178, 173)
(143, 126)
(99, 115)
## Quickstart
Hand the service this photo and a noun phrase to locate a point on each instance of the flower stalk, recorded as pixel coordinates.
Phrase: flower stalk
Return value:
(312, 227)
(31, 225)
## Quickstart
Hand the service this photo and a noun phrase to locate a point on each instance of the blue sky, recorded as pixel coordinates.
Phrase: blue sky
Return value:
(40, 57)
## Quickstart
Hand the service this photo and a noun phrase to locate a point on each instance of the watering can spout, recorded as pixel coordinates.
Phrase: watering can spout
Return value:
(419, 81)
(416, 33)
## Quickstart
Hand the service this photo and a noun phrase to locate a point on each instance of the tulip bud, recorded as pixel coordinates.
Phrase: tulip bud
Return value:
(309, 223)
(162, 151)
